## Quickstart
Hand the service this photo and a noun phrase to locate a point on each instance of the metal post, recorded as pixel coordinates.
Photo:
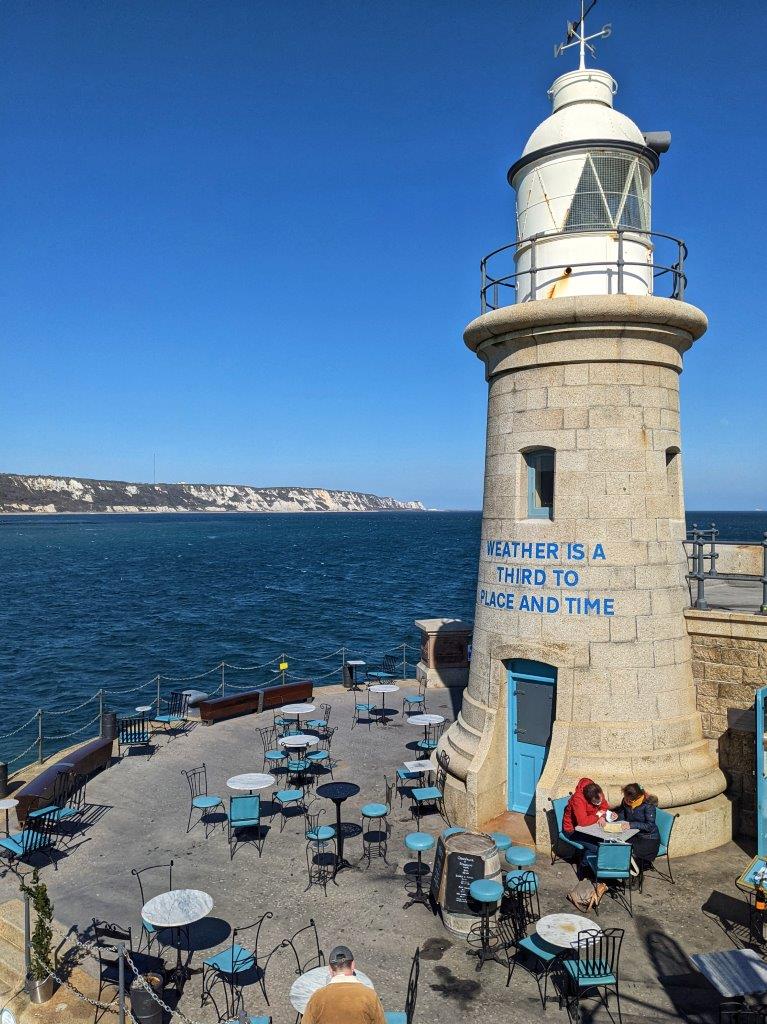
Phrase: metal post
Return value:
(223, 679)
(27, 937)
(39, 735)
(713, 556)
(620, 261)
(3, 779)
(700, 601)
(404, 661)
(101, 712)
(121, 983)
(763, 609)
(158, 695)
(680, 276)
(482, 297)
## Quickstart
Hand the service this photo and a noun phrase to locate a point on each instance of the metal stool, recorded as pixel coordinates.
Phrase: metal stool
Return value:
(454, 830)
(502, 841)
(487, 893)
(418, 842)
(520, 856)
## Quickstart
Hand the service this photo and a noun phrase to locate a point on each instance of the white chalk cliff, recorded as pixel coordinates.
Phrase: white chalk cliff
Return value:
(51, 494)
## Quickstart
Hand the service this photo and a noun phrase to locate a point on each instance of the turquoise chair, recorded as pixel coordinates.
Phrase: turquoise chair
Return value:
(558, 806)
(593, 966)
(274, 755)
(175, 714)
(200, 799)
(612, 863)
(415, 703)
(418, 843)
(323, 758)
(432, 794)
(665, 821)
(320, 724)
(285, 798)
(37, 838)
(67, 800)
(404, 776)
(362, 710)
(502, 841)
(396, 1017)
(251, 1020)
(232, 966)
(244, 812)
(529, 952)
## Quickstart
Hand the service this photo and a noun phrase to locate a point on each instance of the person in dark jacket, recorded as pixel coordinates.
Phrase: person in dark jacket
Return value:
(637, 810)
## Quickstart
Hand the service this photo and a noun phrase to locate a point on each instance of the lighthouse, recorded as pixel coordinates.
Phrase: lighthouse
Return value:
(581, 661)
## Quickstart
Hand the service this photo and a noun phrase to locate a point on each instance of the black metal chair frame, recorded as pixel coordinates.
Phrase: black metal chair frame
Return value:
(138, 872)
(382, 842)
(594, 949)
(516, 915)
(356, 717)
(325, 741)
(107, 935)
(433, 736)
(326, 710)
(315, 960)
(283, 807)
(176, 705)
(421, 709)
(39, 836)
(443, 760)
(618, 891)
(197, 779)
(388, 667)
(652, 867)
(233, 992)
(319, 871)
(412, 987)
(731, 1012)
(268, 736)
(133, 732)
(68, 792)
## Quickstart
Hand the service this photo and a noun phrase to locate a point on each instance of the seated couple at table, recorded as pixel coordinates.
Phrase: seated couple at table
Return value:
(588, 806)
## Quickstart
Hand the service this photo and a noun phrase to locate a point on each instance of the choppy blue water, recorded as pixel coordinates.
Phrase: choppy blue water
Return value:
(110, 601)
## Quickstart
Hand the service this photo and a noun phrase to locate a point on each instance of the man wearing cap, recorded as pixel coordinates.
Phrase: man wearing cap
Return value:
(344, 1000)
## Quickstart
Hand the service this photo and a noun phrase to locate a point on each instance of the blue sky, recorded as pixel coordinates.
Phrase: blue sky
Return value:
(245, 236)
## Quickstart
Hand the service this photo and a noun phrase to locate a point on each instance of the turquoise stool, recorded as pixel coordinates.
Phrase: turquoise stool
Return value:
(418, 842)
(487, 893)
(454, 830)
(502, 842)
(520, 856)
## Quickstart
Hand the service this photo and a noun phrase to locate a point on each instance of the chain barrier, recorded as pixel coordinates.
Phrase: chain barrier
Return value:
(74, 732)
(18, 757)
(160, 1002)
(133, 689)
(7, 735)
(88, 947)
(77, 707)
(189, 679)
(252, 668)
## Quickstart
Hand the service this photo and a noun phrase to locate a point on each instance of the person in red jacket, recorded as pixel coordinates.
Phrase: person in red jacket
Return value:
(586, 806)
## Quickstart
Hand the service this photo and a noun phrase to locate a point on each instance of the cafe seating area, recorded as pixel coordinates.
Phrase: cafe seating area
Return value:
(243, 859)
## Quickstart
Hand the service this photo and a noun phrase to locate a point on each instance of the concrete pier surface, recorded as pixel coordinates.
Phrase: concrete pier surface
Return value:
(140, 808)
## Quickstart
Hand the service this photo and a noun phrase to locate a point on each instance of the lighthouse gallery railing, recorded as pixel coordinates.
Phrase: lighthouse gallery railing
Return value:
(495, 289)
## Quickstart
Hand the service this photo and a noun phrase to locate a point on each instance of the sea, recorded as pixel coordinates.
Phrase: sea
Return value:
(108, 602)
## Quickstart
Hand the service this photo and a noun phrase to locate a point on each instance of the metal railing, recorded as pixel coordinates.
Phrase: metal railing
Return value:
(703, 553)
(496, 288)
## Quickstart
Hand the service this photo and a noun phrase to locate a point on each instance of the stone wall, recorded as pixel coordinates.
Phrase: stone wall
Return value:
(729, 651)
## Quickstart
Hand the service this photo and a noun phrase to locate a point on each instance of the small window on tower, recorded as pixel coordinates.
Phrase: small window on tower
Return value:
(540, 483)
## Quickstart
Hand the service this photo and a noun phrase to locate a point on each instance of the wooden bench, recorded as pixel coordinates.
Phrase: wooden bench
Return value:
(86, 760)
(250, 702)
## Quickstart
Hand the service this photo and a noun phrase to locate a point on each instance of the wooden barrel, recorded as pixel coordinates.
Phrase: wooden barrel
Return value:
(460, 860)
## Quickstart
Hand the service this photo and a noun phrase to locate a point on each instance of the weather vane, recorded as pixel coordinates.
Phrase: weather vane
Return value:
(576, 35)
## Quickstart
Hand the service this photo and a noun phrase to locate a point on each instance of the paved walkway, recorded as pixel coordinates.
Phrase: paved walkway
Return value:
(143, 808)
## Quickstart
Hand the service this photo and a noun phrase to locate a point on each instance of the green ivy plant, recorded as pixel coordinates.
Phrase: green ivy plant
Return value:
(42, 935)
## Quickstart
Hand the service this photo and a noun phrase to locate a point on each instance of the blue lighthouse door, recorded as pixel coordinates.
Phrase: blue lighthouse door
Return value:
(531, 714)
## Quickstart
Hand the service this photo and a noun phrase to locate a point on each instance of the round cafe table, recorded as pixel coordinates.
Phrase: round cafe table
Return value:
(297, 710)
(300, 741)
(426, 721)
(338, 792)
(303, 988)
(7, 805)
(251, 781)
(144, 707)
(562, 929)
(383, 689)
(178, 909)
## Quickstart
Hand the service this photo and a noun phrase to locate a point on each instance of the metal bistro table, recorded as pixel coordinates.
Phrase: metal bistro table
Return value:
(338, 792)
(6, 805)
(303, 988)
(353, 664)
(734, 973)
(178, 909)
(562, 930)
(426, 720)
(297, 710)
(598, 833)
(300, 741)
(251, 781)
(383, 689)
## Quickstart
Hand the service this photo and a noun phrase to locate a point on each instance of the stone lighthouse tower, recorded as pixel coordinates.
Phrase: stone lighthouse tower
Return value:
(581, 660)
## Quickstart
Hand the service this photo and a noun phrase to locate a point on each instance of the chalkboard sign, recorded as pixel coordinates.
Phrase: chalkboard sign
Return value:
(462, 870)
(436, 871)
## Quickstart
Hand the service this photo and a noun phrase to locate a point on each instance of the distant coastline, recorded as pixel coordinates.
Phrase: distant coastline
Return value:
(22, 494)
